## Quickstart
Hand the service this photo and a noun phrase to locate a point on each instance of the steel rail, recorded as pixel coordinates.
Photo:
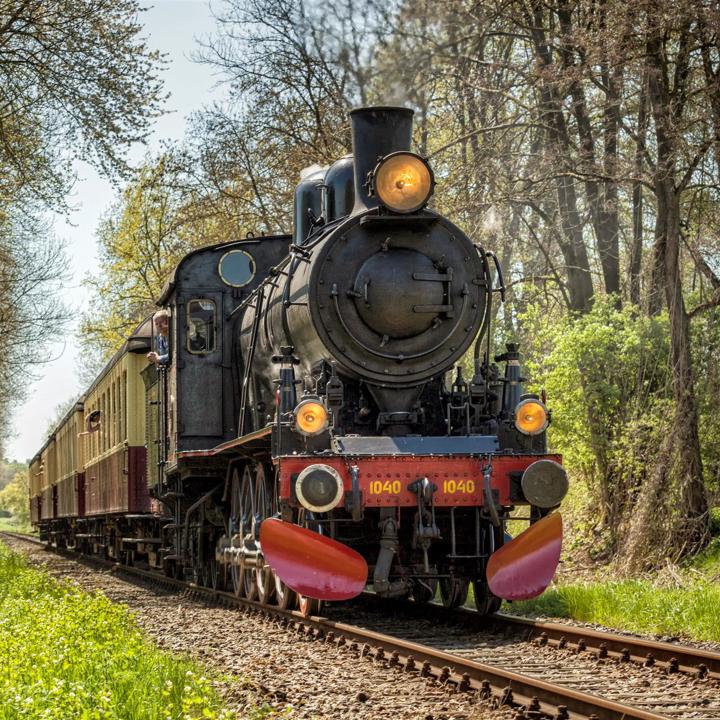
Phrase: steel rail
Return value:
(498, 686)
(624, 648)
(495, 684)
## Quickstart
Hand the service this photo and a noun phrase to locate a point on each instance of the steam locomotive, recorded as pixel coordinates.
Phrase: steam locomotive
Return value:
(312, 431)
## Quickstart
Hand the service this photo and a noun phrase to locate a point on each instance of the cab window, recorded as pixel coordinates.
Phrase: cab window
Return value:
(200, 326)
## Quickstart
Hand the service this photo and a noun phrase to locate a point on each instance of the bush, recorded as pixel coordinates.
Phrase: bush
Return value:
(706, 350)
(14, 498)
(606, 377)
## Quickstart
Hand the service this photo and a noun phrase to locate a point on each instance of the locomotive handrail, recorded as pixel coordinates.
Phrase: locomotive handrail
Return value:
(248, 362)
(485, 325)
(501, 279)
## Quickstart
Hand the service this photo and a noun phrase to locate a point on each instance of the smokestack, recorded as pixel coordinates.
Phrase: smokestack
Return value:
(376, 132)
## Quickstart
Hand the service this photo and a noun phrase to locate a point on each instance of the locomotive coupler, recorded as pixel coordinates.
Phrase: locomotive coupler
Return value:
(388, 550)
(426, 529)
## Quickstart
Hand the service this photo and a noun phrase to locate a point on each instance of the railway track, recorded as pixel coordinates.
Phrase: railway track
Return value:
(562, 676)
(603, 645)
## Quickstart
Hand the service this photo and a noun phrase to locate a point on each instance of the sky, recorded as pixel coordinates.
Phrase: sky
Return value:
(172, 27)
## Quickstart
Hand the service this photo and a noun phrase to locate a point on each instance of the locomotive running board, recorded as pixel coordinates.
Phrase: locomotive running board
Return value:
(524, 567)
(312, 564)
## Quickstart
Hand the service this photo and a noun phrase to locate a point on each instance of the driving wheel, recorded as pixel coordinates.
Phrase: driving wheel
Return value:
(264, 576)
(453, 591)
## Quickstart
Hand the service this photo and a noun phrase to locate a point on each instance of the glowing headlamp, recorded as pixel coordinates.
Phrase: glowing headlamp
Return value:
(403, 182)
(311, 417)
(531, 417)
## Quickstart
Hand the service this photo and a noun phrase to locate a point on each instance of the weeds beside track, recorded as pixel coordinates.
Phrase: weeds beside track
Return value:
(69, 654)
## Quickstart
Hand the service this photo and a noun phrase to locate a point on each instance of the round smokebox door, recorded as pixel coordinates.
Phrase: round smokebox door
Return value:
(396, 293)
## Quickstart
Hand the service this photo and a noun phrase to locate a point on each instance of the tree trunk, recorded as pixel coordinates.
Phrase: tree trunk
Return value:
(656, 297)
(571, 242)
(693, 523)
(646, 531)
(600, 195)
(637, 198)
(608, 234)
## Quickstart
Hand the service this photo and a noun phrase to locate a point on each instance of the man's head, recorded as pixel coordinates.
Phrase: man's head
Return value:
(161, 320)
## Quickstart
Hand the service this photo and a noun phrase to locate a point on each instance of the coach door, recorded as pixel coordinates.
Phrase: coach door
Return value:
(157, 411)
(154, 425)
(200, 367)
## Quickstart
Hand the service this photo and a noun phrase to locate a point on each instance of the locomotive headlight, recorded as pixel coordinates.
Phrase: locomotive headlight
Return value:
(545, 483)
(311, 417)
(403, 182)
(531, 417)
(319, 488)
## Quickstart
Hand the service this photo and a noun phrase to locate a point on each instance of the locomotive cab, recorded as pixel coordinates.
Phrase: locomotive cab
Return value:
(205, 298)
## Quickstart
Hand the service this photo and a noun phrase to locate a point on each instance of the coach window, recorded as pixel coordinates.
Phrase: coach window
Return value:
(200, 326)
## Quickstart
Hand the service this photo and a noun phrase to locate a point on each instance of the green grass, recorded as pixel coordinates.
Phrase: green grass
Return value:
(66, 654)
(708, 562)
(635, 606)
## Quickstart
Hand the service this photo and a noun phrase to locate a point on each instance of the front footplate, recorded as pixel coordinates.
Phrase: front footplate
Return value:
(524, 567)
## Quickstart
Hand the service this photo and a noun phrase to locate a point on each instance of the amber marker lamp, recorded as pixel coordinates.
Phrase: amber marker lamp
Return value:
(403, 182)
(311, 417)
(531, 417)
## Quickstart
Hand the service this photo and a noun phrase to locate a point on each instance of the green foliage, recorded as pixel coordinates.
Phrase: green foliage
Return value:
(77, 82)
(639, 606)
(12, 524)
(67, 654)
(14, 498)
(606, 377)
(142, 237)
(9, 469)
(715, 520)
(601, 371)
(708, 561)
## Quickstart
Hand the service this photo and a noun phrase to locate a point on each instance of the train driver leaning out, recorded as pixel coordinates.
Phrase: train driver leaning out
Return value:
(161, 354)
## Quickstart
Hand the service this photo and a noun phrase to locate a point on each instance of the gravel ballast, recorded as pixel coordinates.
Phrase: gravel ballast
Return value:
(263, 664)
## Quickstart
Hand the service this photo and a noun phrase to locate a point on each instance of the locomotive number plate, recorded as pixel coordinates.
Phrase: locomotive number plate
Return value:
(463, 487)
(449, 487)
(385, 487)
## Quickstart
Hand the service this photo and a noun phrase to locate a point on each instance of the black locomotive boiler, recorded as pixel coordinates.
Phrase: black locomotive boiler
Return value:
(312, 432)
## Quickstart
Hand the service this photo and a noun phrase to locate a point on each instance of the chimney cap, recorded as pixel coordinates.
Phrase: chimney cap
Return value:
(382, 108)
